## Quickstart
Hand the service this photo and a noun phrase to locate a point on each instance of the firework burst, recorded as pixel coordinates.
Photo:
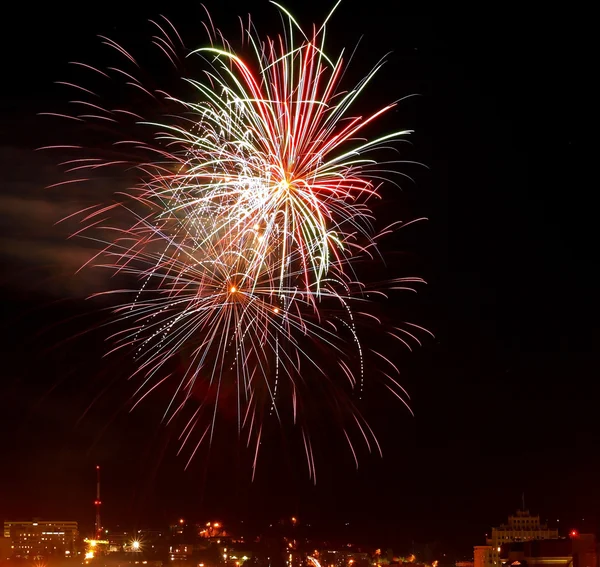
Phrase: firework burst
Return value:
(252, 210)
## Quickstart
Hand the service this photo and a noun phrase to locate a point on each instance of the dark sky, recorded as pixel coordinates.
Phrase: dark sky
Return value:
(505, 397)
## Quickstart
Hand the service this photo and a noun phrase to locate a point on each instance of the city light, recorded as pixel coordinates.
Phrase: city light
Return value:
(135, 544)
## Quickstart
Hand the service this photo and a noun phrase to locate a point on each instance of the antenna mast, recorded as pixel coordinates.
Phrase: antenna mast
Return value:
(97, 503)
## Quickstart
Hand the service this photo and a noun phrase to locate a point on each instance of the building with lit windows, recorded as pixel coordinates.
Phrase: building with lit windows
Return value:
(180, 552)
(41, 538)
(519, 528)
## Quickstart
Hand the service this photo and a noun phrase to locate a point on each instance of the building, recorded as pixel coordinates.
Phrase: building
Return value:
(576, 551)
(181, 552)
(41, 538)
(482, 556)
(117, 541)
(520, 527)
(5, 548)
(585, 550)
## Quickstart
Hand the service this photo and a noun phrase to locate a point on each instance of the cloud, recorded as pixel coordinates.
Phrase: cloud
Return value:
(36, 250)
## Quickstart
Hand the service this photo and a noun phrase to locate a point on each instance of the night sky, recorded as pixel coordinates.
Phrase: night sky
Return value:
(505, 397)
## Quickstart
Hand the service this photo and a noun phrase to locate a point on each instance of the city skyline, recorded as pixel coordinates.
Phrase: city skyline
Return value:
(497, 533)
(522, 526)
